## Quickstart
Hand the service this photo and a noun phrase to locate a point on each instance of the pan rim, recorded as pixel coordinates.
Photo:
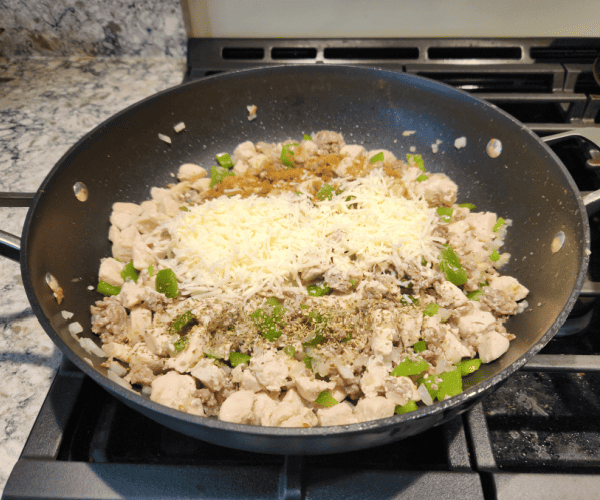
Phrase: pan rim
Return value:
(252, 430)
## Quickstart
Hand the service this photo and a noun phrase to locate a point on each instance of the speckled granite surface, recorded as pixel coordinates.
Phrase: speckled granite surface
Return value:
(95, 28)
(46, 105)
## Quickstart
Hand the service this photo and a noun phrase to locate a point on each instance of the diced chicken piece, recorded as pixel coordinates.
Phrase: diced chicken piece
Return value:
(353, 150)
(437, 190)
(476, 322)
(175, 390)
(148, 221)
(340, 414)
(450, 295)
(165, 202)
(373, 408)
(264, 405)
(237, 408)
(491, 346)
(249, 382)
(310, 389)
(257, 161)
(292, 396)
(209, 374)
(344, 370)
(306, 150)
(240, 167)
(307, 420)
(190, 172)
(381, 340)
(141, 320)
(123, 214)
(373, 379)
(186, 359)
(453, 349)
(168, 207)
(341, 279)
(179, 190)
(149, 206)
(131, 294)
(482, 225)
(118, 351)
(329, 142)
(156, 341)
(270, 370)
(114, 234)
(411, 174)
(409, 327)
(244, 151)
(343, 166)
(291, 415)
(339, 392)
(313, 272)
(401, 390)
(201, 185)
(510, 286)
(110, 271)
(143, 257)
(123, 248)
(432, 328)
(374, 290)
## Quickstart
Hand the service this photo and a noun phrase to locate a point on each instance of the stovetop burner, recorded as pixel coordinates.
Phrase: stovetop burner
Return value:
(537, 436)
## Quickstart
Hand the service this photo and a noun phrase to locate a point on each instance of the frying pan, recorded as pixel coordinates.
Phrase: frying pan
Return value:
(123, 158)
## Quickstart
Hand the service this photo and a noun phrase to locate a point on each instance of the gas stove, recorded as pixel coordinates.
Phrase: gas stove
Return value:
(537, 436)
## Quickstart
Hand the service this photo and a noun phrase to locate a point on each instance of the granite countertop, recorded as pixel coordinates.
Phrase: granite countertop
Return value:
(46, 105)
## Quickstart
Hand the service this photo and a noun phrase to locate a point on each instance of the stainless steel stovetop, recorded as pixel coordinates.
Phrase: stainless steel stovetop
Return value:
(537, 436)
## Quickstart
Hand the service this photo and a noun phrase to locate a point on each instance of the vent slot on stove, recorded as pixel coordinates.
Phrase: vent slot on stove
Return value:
(293, 53)
(586, 84)
(371, 53)
(495, 82)
(243, 53)
(534, 112)
(488, 53)
(564, 54)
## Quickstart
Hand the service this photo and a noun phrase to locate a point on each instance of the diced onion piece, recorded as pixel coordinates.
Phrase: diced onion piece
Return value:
(75, 328)
(117, 368)
(118, 380)
(179, 127)
(88, 345)
(67, 314)
(164, 138)
(425, 396)
(461, 142)
(251, 112)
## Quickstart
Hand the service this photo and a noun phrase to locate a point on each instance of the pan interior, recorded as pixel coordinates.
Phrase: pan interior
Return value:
(124, 158)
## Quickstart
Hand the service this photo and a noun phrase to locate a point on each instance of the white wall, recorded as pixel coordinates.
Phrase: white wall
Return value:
(387, 18)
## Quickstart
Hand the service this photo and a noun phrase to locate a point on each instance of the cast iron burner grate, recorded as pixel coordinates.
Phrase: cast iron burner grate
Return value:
(537, 436)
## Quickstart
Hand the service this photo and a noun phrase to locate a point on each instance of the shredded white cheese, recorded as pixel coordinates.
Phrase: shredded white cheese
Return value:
(240, 246)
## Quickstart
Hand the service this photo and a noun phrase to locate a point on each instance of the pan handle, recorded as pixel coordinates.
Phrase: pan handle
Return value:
(590, 200)
(10, 245)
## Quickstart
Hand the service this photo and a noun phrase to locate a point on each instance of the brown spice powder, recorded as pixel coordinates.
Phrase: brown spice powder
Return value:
(273, 176)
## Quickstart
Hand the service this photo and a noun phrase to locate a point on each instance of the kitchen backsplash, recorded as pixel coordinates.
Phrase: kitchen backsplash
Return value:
(33, 28)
